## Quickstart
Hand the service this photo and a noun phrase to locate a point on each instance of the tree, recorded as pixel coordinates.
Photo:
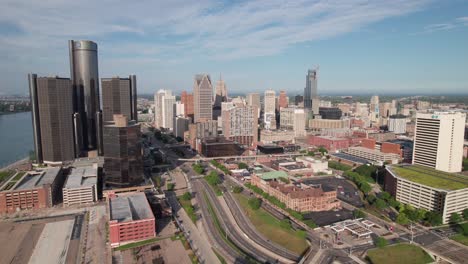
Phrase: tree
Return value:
(402, 219)
(213, 178)
(186, 196)
(380, 204)
(170, 186)
(322, 150)
(365, 187)
(433, 218)
(463, 229)
(465, 214)
(385, 195)
(237, 189)
(455, 218)
(371, 198)
(198, 168)
(358, 214)
(255, 203)
(393, 203)
(242, 166)
(381, 242)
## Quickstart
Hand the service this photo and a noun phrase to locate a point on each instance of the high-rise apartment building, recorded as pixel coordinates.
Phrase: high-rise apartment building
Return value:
(123, 163)
(52, 116)
(119, 96)
(187, 100)
(164, 109)
(282, 100)
(202, 98)
(438, 140)
(240, 124)
(254, 99)
(269, 108)
(221, 93)
(397, 124)
(85, 81)
(287, 118)
(299, 123)
(310, 91)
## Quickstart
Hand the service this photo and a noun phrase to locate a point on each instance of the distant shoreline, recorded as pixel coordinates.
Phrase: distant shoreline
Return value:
(15, 164)
(10, 113)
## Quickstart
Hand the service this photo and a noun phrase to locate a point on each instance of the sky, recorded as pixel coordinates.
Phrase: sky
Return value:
(360, 46)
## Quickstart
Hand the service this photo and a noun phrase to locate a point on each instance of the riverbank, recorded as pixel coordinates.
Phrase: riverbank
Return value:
(19, 164)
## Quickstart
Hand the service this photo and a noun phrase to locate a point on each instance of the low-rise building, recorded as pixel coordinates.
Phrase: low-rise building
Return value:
(374, 155)
(427, 188)
(81, 186)
(330, 143)
(317, 165)
(131, 219)
(32, 190)
(271, 136)
(296, 196)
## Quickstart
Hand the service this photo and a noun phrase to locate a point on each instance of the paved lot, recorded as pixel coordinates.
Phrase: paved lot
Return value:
(329, 217)
(449, 250)
(164, 251)
(349, 194)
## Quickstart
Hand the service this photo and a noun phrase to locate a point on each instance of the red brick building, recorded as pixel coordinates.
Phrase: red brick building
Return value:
(32, 190)
(299, 197)
(131, 219)
(187, 100)
(330, 143)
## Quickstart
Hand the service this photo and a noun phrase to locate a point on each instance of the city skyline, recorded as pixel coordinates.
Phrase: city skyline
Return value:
(393, 47)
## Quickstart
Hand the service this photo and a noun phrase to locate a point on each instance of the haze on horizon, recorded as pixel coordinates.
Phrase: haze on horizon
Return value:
(370, 47)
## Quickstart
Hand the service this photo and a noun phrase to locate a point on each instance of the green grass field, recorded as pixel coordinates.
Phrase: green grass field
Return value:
(460, 239)
(271, 229)
(400, 253)
(5, 174)
(338, 166)
(188, 208)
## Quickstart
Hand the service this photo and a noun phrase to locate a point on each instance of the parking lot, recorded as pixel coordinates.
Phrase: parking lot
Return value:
(329, 217)
(347, 191)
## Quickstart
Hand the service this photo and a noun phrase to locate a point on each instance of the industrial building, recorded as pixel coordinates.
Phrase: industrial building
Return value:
(32, 190)
(131, 219)
(429, 189)
(81, 186)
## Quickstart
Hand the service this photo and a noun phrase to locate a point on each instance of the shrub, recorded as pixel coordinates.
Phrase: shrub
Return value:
(255, 203)
(455, 218)
(242, 165)
(358, 214)
(170, 186)
(463, 229)
(186, 196)
(198, 168)
(237, 189)
(213, 178)
(381, 242)
(380, 204)
(465, 214)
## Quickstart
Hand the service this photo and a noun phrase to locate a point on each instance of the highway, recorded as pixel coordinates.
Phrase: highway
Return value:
(251, 232)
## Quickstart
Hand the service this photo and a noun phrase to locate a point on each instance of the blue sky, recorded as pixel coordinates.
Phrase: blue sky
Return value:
(361, 46)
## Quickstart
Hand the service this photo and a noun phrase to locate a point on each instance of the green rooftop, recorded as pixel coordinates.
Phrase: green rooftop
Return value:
(431, 177)
(273, 175)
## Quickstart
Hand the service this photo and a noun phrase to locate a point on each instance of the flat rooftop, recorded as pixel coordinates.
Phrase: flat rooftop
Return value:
(82, 177)
(32, 180)
(127, 208)
(431, 177)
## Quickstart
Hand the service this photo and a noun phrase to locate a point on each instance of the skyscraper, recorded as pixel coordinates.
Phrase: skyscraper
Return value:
(374, 108)
(164, 109)
(187, 100)
(253, 99)
(202, 98)
(269, 108)
(310, 91)
(438, 140)
(85, 81)
(240, 124)
(119, 97)
(123, 164)
(221, 93)
(283, 100)
(299, 123)
(52, 115)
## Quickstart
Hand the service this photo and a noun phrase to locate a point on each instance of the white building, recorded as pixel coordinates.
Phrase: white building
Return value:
(179, 109)
(316, 165)
(81, 186)
(397, 124)
(438, 140)
(269, 107)
(299, 122)
(202, 98)
(373, 155)
(164, 109)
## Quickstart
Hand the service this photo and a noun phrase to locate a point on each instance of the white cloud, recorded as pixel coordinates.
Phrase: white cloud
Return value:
(175, 30)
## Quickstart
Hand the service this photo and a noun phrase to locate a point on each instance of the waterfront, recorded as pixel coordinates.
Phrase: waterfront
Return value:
(16, 138)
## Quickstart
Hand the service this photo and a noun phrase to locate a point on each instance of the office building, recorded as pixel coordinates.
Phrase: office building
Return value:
(376, 156)
(123, 165)
(131, 219)
(221, 93)
(299, 99)
(240, 124)
(374, 108)
(201, 130)
(397, 124)
(271, 136)
(428, 189)
(269, 108)
(164, 109)
(310, 91)
(253, 99)
(438, 140)
(330, 143)
(330, 113)
(187, 100)
(181, 125)
(202, 98)
(119, 96)
(32, 190)
(301, 197)
(179, 109)
(52, 116)
(299, 122)
(282, 100)
(81, 185)
(85, 82)
(219, 147)
(318, 124)
(287, 118)
(385, 109)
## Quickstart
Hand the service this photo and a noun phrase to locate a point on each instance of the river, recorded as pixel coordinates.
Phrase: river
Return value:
(16, 138)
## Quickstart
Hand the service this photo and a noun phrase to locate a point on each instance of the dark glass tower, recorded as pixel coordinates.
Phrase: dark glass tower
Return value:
(85, 82)
(119, 97)
(52, 116)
